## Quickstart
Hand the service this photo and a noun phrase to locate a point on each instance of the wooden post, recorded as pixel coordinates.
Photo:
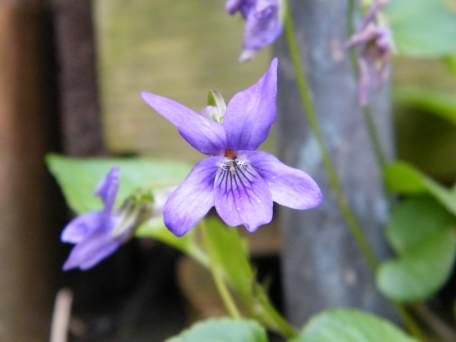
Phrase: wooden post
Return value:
(76, 54)
(322, 266)
(26, 134)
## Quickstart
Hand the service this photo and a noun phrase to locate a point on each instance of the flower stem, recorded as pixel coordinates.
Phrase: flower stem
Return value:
(333, 178)
(271, 317)
(217, 276)
(311, 115)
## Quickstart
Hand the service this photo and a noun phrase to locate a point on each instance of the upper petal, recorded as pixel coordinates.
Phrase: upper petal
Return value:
(243, 6)
(263, 24)
(192, 199)
(108, 187)
(91, 251)
(232, 6)
(81, 227)
(289, 186)
(251, 112)
(206, 135)
(242, 196)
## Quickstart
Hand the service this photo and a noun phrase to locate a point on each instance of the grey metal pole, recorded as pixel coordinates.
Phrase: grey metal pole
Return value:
(322, 266)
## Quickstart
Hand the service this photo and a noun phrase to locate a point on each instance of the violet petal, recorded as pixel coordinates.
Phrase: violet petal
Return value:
(251, 112)
(91, 251)
(107, 189)
(242, 197)
(232, 6)
(82, 226)
(289, 186)
(263, 24)
(192, 199)
(205, 135)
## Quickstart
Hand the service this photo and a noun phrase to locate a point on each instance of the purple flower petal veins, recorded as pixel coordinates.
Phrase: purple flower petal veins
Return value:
(263, 23)
(192, 200)
(289, 187)
(241, 195)
(239, 182)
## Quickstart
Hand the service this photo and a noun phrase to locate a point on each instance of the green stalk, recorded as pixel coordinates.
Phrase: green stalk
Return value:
(217, 275)
(311, 115)
(333, 178)
(271, 317)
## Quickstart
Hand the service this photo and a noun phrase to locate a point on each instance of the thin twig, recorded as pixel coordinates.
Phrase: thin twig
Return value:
(61, 316)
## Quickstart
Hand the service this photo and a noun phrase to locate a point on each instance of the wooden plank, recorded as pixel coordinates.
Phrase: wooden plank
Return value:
(80, 112)
(26, 133)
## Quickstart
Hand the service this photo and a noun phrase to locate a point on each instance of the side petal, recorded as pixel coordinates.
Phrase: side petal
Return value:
(206, 135)
(242, 197)
(192, 199)
(289, 186)
(91, 251)
(263, 24)
(108, 187)
(251, 112)
(81, 227)
(232, 6)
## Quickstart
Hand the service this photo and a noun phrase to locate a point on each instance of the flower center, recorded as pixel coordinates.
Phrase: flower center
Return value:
(234, 173)
(230, 154)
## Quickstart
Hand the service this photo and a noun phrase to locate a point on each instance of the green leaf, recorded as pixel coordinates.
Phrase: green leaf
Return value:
(415, 220)
(405, 179)
(424, 28)
(229, 251)
(421, 271)
(78, 178)
(156, 229)
(223, 330)
(433, 102)
(346, 325)
(451, 63)
(422, 232)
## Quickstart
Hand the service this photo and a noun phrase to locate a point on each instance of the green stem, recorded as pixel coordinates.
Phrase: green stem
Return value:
(374, 136)
(265, 312)
(217, 275)
(333, 179)
(271, 317)
(328, 165)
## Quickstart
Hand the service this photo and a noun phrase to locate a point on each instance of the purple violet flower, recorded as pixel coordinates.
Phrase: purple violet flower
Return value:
(239, 181)
(97, 235)
(376, 43)
(263, 23)
(92, 232)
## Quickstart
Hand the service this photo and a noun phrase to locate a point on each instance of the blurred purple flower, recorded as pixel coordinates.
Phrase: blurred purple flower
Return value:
(263, 23)
(376, 43)
(97, 235)
(92, 232)
(239, 181)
